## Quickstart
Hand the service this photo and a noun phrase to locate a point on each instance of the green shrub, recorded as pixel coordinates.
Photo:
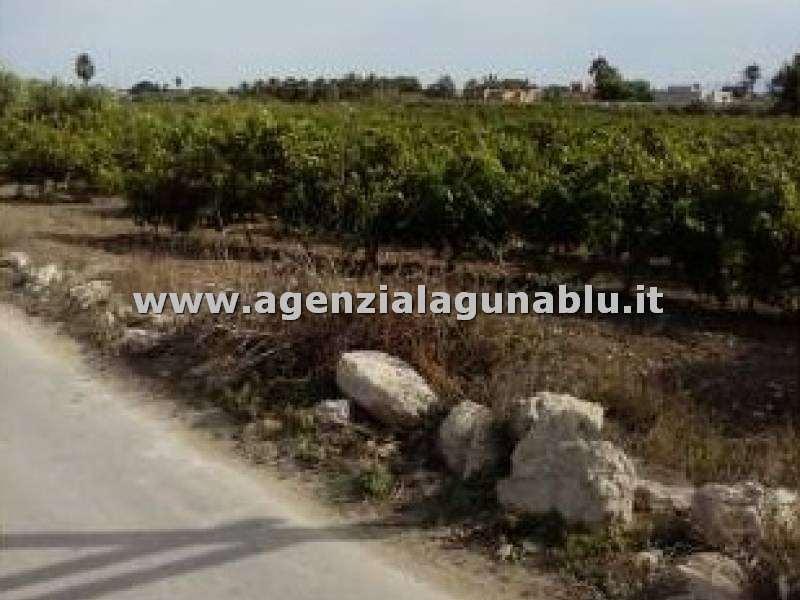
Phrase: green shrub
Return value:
(375, 482)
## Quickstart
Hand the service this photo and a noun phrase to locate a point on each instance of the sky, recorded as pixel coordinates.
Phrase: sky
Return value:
(221, 43)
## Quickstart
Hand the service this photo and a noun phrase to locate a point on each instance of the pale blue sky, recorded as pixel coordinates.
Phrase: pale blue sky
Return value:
(222, 42)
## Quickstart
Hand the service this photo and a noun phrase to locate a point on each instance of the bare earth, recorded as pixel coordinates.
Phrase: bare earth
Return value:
(101, 498)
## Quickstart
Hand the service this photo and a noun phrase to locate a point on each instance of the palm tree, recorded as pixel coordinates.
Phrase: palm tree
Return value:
(84, 68)
(599, 66)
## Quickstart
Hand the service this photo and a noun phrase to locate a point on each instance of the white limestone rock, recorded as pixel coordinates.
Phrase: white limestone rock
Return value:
(16, 261)
(660, 498)
(589, 482)
(710, 576)
(730, 516)
(333, 412)
(139, 341)
(558, 416)
(88, 294)
(386, 387)
(39, 280)
(467, 439)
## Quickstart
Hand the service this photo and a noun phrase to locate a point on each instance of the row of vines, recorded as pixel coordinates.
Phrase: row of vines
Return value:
(718, 199)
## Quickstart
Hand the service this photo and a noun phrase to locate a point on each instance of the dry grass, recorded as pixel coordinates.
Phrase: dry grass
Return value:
(775, 570)
(710, 398)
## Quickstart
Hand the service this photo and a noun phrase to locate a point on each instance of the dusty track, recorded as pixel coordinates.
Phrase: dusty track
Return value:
(101, 498)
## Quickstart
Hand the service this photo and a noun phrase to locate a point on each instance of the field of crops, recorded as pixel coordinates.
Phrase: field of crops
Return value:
(717, 199)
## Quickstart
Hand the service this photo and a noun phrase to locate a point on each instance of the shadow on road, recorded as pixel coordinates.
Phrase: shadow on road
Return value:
(223, 544)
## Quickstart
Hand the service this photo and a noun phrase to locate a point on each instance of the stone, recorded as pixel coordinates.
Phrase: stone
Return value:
(209, 418)
(252, 432)
(201, 371)
(787, 590)
(271, 428)
(729, 516)
(104, 323)
(710, 576)
(18, 278)
(39, 279)
(386, 387)
(425, 482)
(17, 261)
(208, 377)
(262, 452)
(565, 417)
(163, 322)
(559, 416)
(560, 463)
(108, 320)
(467, 439)
(383, 450)
(47, 275)
(517, 414)
(90, 293)
(505, 551)
(648, 560)
(126, 314)
(529, 547)
(333, 413)
(139, 341)
(19, 265)
(659, 498)
(587, 482)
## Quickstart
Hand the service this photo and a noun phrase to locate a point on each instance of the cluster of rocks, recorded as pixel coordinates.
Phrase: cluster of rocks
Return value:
(131, 332)
(560, 462)
(35, 280)
(729, 517)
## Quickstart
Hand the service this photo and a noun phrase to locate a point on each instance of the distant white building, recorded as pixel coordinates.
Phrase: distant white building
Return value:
(520, 95)
(581, 90)
(720, 97)
(680, 95)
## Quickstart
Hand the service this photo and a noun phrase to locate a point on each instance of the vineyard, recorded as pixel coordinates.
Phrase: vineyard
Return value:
(715, 199)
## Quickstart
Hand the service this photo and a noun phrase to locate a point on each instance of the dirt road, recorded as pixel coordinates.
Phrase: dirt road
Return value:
(99, 498)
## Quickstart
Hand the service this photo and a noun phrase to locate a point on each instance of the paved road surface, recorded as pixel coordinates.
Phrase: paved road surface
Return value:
(99, 498)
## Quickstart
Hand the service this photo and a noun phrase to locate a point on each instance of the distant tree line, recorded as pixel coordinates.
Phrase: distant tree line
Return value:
(609, 85)
(151, 90)
(350, 87)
